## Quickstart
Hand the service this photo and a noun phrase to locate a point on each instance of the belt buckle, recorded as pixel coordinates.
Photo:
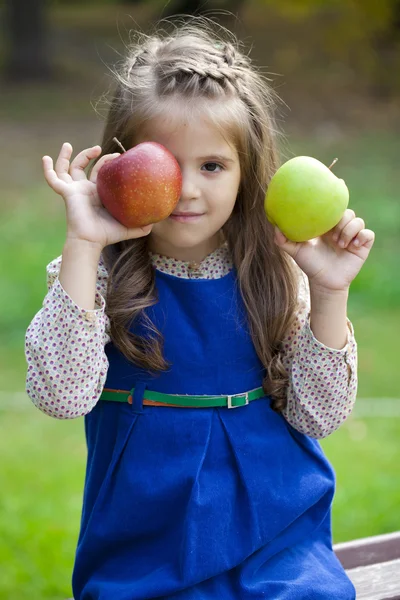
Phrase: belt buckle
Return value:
(246, 396)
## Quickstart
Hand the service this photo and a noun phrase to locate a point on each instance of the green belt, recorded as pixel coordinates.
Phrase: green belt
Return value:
(232, 401)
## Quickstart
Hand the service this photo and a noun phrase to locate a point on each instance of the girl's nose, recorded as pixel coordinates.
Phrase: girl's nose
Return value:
(190, 188)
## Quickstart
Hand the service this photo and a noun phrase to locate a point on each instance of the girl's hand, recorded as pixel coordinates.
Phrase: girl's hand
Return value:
(87, 219)
(333, 260)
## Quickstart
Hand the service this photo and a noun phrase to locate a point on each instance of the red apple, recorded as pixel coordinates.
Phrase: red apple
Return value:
(142, 186)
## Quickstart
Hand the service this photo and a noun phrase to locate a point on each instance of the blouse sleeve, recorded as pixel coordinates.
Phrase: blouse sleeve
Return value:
(64, 349)
(322, 381)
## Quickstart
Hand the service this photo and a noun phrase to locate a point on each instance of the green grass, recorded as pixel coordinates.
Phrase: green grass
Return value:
(41, 479)
(364, 454)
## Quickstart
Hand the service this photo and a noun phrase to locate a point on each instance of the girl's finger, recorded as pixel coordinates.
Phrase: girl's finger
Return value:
(349, 214)
(365, 237)
(51, 176)
(62, 163)
(81, 161)
(350, 231)
(100, 163)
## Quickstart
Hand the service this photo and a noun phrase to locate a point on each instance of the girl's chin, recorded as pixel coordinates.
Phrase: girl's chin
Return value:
(174, 246)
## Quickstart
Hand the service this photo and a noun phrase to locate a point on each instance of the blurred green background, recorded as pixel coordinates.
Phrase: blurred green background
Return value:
(334, 64)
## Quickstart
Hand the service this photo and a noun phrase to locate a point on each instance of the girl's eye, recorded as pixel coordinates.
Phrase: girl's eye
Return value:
(212, 167)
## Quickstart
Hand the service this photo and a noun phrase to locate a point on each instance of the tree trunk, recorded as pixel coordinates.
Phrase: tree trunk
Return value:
(27, 53)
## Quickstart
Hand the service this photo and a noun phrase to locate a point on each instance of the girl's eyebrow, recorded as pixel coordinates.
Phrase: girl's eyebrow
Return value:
(219, 157)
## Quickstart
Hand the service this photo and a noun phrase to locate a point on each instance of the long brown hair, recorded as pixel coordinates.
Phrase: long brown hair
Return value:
(205, 68)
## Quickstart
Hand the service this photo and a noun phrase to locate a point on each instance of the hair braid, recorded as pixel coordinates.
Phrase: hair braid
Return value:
(223, 65)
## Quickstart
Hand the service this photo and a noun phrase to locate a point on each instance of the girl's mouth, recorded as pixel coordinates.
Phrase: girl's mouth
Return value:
(185, 217)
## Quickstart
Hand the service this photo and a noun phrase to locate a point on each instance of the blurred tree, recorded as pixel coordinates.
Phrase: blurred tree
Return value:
(359, 36)
(27, 57)
(197, 7)
(387, 47)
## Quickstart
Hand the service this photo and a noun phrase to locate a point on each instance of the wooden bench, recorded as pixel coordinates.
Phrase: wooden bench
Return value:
(373, 565)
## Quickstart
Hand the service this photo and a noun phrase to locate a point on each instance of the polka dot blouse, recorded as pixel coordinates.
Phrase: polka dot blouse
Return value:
(67, 364)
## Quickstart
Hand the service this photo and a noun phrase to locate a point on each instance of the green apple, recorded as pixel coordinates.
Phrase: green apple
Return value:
(305, 199)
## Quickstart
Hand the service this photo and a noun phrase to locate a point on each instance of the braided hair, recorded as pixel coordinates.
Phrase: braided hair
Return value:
(194, 70)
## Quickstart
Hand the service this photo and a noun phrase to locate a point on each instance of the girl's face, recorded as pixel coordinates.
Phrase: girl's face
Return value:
(210, 182)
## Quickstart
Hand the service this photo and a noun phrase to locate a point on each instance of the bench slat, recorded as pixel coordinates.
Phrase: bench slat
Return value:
(377, 582)
(369, 551)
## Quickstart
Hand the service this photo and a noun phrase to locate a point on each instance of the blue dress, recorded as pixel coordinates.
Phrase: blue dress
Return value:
(202, 503)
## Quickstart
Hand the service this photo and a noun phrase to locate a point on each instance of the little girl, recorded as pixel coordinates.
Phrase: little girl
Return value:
(206, 351)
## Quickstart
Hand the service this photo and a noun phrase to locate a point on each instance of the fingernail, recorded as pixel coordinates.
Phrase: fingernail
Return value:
(342, 243)
(356, 242)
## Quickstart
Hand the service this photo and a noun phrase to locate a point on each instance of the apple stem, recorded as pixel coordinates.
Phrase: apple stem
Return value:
(120, 145)
(330, 167)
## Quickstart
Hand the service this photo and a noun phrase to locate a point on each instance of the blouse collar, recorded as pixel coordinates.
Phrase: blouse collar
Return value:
(215, 265)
